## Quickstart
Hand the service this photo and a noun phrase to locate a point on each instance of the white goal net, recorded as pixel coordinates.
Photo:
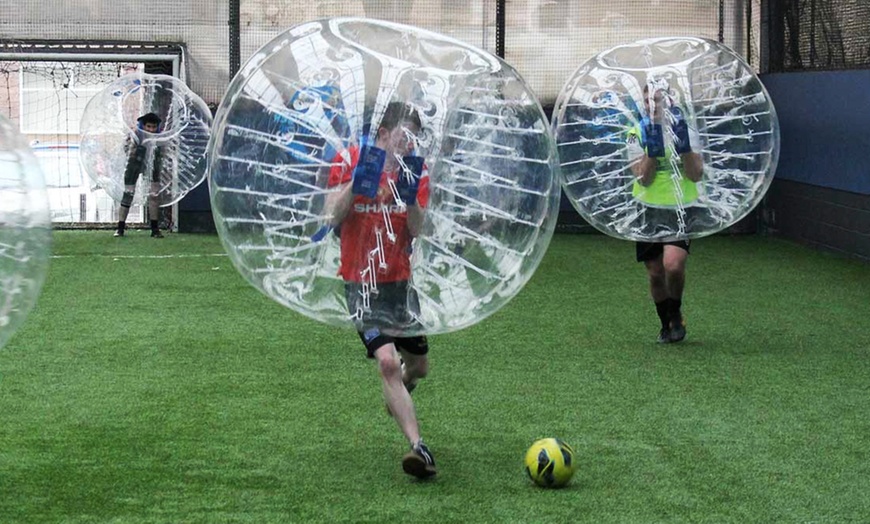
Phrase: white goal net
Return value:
(46, 100)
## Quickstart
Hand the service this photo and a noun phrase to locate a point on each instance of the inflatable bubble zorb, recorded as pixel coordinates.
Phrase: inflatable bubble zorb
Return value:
(377, 175)
(25, 230)
(665, 139)
(118, 151)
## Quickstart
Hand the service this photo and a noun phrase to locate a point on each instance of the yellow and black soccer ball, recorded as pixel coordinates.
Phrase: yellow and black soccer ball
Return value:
(550, 463)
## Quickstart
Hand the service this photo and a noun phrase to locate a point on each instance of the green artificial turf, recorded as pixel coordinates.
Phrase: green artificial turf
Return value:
(151, 383)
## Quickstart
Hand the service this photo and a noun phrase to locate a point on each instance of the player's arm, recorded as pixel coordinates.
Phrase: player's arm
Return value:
(338, 203)
(361, 176)
(693, 163)
(413, 188)
(340, 196)
(336, 206)
(647, 149)
(644, 170)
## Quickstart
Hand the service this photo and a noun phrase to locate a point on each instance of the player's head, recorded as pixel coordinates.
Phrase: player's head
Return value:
(149, 122)
(662, 96)
(399, 128)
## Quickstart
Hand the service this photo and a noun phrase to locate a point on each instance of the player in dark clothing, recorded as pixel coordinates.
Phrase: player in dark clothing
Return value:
(140, 159)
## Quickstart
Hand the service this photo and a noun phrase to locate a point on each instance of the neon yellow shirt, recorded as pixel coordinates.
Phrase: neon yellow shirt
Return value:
(663, 191)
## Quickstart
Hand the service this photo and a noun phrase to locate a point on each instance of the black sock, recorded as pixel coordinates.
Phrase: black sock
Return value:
(154, 225)
(675, 313)
(663, 308)
(121, 225)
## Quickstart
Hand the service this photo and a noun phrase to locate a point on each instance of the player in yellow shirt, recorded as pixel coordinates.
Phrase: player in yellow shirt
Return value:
(663, 181)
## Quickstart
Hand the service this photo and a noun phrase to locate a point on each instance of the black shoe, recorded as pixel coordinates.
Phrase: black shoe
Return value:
(419, 462)
(155, 233)
(664, 336)
(678, 330)
(119, 232)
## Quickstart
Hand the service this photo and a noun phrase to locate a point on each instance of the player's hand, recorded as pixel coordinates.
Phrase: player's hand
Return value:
(681, 131)
(367, 173)
(409, 179)
(653, 139)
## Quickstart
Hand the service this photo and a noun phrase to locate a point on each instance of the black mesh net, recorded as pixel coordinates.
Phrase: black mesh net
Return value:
(819, 35)
(471, 22)
(545, 40)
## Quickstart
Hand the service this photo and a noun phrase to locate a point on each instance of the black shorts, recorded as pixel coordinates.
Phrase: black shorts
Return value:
(374, 339)
(393, 308)
(647, 251)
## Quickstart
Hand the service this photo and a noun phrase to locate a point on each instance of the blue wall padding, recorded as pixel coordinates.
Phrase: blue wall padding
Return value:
(824, 120)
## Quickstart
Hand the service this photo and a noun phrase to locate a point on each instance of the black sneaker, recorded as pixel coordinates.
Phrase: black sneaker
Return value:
(678, 330)
(664, 336)
(119, 233)
(155, 233)
(419, 462)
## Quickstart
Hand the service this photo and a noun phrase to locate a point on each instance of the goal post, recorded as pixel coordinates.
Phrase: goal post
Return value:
(44, 88)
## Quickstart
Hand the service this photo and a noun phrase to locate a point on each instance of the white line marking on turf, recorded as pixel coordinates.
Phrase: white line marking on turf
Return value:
(142, 256)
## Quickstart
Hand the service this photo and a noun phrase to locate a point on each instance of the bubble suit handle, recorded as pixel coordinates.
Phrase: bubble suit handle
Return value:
(439, 151)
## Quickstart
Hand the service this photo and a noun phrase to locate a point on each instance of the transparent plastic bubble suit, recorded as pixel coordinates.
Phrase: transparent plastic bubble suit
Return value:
(25, 230)
(173, 160)
(285, 147)
(600, 123)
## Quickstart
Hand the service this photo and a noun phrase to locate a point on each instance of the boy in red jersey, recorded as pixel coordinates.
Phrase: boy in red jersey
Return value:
(380, 193)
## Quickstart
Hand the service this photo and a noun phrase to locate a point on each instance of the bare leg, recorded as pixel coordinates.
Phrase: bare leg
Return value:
(674, 262)
(657, 282)
(419, 461)
(395, 394)
(667, 277)
(416, 367)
